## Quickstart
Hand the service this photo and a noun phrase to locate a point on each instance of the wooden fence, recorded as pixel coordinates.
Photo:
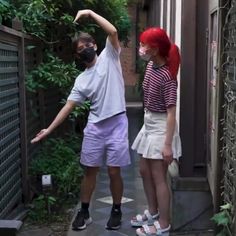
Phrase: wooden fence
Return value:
(22, 115)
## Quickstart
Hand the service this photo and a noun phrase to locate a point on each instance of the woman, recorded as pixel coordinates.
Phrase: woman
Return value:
(158, 141)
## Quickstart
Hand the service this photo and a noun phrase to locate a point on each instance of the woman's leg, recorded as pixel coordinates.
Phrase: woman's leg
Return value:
(159, 171)
(149, 185)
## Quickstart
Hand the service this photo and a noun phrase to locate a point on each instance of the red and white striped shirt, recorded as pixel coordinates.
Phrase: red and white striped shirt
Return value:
(160, 90)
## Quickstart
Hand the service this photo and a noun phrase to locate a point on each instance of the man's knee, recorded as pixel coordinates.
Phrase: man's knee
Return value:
(91, 172)
(114, 172)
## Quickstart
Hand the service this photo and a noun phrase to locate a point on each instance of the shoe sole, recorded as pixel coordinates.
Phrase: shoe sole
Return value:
(113, 228)
(140, 224)
(135, 223)
(139, 233)
(87, 222)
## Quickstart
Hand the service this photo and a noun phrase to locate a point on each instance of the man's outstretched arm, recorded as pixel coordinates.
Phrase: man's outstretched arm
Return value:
(105, 25)
(61, 116)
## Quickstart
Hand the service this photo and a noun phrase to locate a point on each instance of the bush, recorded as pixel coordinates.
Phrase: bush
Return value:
(40, 209)
(52, 20)
(59, 158)
(224, 219)
(7, 11)
(52, 72)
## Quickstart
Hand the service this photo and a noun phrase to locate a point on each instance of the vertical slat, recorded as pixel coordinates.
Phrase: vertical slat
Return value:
(10, 148)
(165, 14)
(188, 78)
(41, 96)
(23, 125)
(32, 59)
(172, 19)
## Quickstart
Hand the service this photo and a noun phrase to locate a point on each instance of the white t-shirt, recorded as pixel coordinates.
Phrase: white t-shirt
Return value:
(103, 85)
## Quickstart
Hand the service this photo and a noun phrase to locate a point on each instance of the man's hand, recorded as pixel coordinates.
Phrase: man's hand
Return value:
(41, 135)
(105, 25)
(61, 116)
(82, 13)
(167, 154)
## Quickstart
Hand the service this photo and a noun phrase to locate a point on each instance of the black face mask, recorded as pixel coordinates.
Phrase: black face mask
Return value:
(87, 55)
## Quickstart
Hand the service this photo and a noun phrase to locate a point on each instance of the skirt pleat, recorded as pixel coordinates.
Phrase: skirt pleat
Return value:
(150, 139)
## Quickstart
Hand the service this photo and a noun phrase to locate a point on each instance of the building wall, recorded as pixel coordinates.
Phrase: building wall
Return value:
(166, 22)
(128, 52)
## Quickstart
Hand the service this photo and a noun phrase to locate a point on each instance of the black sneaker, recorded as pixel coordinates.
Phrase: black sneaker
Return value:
(115, 220)
(81, 220)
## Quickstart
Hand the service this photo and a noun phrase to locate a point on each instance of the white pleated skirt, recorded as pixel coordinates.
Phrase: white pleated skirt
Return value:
(150, 139)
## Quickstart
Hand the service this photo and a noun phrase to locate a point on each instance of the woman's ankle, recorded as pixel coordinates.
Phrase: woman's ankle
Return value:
(164, 223)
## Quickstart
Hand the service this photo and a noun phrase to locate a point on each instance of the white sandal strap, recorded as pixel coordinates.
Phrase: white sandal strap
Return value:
(146, 229)
(155, 216)
(139, 218)
(157, 225)
(159, 229)
(148, 215)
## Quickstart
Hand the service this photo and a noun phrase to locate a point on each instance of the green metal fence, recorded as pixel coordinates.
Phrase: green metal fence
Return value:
(22, 115)
(10, 149)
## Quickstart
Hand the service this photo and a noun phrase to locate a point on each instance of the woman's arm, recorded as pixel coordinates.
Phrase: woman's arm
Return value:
(170, 129)
(170, 125)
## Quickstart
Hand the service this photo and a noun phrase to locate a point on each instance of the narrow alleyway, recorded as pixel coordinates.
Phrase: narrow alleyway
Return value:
(133, 200)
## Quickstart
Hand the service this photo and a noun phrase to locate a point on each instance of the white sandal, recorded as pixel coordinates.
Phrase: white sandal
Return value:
(145, 219)
(145, 230)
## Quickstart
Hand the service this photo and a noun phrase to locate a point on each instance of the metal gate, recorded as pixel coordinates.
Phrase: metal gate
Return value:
(10, 149)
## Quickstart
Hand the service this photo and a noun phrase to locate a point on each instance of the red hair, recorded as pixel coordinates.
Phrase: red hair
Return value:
(157, 38)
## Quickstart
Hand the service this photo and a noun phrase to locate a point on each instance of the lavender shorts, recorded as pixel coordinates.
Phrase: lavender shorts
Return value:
(106, 140)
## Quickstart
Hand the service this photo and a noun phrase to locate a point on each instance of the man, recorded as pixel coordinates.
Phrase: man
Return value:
(106, 133)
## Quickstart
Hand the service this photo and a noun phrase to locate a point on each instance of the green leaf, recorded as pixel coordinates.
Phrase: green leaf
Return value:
(221, 218)
(30, 47)
(4, 3)
(52, 199)
(227, 206)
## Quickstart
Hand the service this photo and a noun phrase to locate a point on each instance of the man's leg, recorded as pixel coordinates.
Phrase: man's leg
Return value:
(88, 183)
(87, 187)
(116, 184)
(117, 153)
(116, 187)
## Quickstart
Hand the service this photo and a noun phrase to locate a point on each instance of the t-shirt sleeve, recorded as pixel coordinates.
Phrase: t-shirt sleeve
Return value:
(76, 94)
(170, 93)
(113, 52)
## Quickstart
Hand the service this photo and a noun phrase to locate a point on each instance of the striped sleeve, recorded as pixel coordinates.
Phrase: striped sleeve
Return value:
(170, 93)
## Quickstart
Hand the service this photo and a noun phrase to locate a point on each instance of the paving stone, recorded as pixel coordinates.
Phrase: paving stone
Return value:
(9, 227)
(36, 232)
(112, 233)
